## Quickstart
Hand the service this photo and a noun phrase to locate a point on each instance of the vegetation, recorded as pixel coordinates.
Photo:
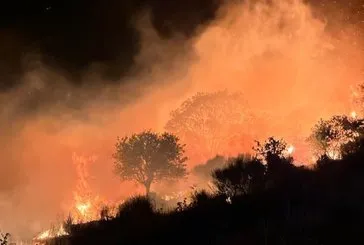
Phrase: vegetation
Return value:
(242, 176)
(67, 224)
(271, 148)
(260, 199)
(148, 157)
(208, 121)
(336, 136)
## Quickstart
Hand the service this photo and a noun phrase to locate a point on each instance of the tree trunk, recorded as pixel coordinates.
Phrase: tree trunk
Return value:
(147, 188)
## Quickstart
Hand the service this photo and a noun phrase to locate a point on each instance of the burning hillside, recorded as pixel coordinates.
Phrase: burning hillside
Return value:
(86, 206)
(259, 69)
(44, 236)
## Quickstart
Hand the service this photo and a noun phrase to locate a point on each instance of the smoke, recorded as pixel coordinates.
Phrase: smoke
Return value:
(284, 58)
(281, 58)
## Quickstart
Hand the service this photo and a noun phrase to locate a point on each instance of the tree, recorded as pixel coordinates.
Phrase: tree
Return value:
(148, 157)
(209, 121)
(336, 135)
(277, 157)
(243, 175)
(271, 147)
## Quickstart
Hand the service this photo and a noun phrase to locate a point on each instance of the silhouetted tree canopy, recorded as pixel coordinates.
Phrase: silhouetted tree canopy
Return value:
(148, 157)
(277, 157)
(207, 121)
(271, 147)
(335, 136)
(271, 165)
(243, 175)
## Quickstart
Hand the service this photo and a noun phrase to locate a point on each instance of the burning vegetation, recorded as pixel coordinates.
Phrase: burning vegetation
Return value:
(43, 237)
(286, 74)
(259, 183)
(148, 157)
(87, 204)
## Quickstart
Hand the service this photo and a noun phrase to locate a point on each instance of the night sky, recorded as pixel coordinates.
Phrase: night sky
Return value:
(72, 35)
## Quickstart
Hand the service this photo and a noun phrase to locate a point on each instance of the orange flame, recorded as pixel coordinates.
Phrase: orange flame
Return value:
(85, 203)
(51, 233)
(353, 114)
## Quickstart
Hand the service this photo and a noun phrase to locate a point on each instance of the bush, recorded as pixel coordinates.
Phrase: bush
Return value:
(67, 224)
(136, 206)
(243, 175)
(105, 213)
(200, 198)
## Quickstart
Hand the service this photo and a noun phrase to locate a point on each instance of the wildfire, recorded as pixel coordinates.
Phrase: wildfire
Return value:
(353, 115)
(334, 154)
(290, 150)
(83, 208)
(51, 233)
(86, 204)
(174, 196)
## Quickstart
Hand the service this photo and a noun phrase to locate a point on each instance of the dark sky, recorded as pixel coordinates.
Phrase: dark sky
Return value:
(73, 34)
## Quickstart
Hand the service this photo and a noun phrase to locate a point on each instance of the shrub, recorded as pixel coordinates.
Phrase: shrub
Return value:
(243, 175)
(136, 206)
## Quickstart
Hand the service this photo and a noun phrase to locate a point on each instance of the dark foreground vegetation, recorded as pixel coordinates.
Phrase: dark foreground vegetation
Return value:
(258, 200)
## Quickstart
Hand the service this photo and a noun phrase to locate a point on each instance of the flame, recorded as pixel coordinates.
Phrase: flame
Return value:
(353, 114)
(86, 204)
(174, 196)
(290, 150)
(83, 208)
(86, 207)
(334, 154)
(51, 234)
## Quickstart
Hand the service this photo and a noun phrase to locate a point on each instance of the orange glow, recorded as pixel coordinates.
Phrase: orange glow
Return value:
(83, 208)
(290, 150)
(292, 68)
(87, 205)
(50, 234)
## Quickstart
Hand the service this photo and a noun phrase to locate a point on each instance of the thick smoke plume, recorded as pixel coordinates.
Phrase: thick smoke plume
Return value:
(281, 55)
